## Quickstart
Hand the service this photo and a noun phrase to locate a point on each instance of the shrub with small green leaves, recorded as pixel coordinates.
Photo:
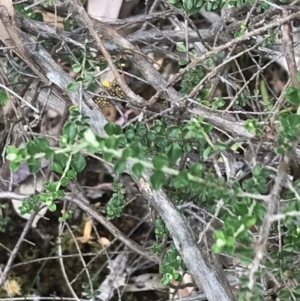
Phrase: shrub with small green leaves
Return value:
(191, 79)
(159, 149)
(193, 6)
(172, 265)
(67, 161)
(88, 287)
(117, 202)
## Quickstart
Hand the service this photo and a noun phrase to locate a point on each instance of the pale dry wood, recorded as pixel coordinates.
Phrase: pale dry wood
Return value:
(104, 11)
(114, 279)
(203, 274)
(9, 35)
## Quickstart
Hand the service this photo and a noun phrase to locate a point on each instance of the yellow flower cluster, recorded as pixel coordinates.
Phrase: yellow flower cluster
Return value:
(113, 90)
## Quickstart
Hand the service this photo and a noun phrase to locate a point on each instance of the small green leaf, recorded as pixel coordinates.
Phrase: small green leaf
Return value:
(76, 68)
(73, 87)
(157, 180)
(42, 144)
(296, 290)
(160, 161)
(166, 279)
(141, 129)
(3, 97)
(31, 148)
(206, 152)
(293, 95)
(89, 76)
(121, 141)
(293, 120)
(108, 156)
(14, 166)
(78, 162)
(196, 169)
(49, 153)
(137, 149)
(35, 166)
(110, 142)
(11, 157)
(52, 207)
(161, 141)
(61, 159)
(218, 103)
(181, 47)
(91, 138)
(182, 62)
(12, 150)
(127, 153)
(188, 4)
(112, 129)
(173, 131)
(74, 111)
(120, 166)
(51, 186)
(129, 134)
(221, 145)
(137, 170)
(199, 4)
(57, 167)
(64, 181)
(265, 96)
(284, 294)
(174, 153)
(230, 241)
(151, 135)
(208, 6)
(181, 180)
(71, 174)
(70, 131)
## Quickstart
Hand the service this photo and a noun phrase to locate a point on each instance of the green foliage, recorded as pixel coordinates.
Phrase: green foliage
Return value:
(171, 266)
(245, 295)
(252, 126)
(181, 47)
(160, 228)
(88, 287)
(22, 8)
(172, 263)
(258, 182)
(65, 216)
(160, 149)
(117, 202)
(73, 86)
(193, 6)
(191, 79)
(156, 248)
(67, 161)
(3, 97)
(190, 6)
(271, 37)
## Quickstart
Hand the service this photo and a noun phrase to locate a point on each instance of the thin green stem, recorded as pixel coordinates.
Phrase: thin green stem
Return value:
(64, 173)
